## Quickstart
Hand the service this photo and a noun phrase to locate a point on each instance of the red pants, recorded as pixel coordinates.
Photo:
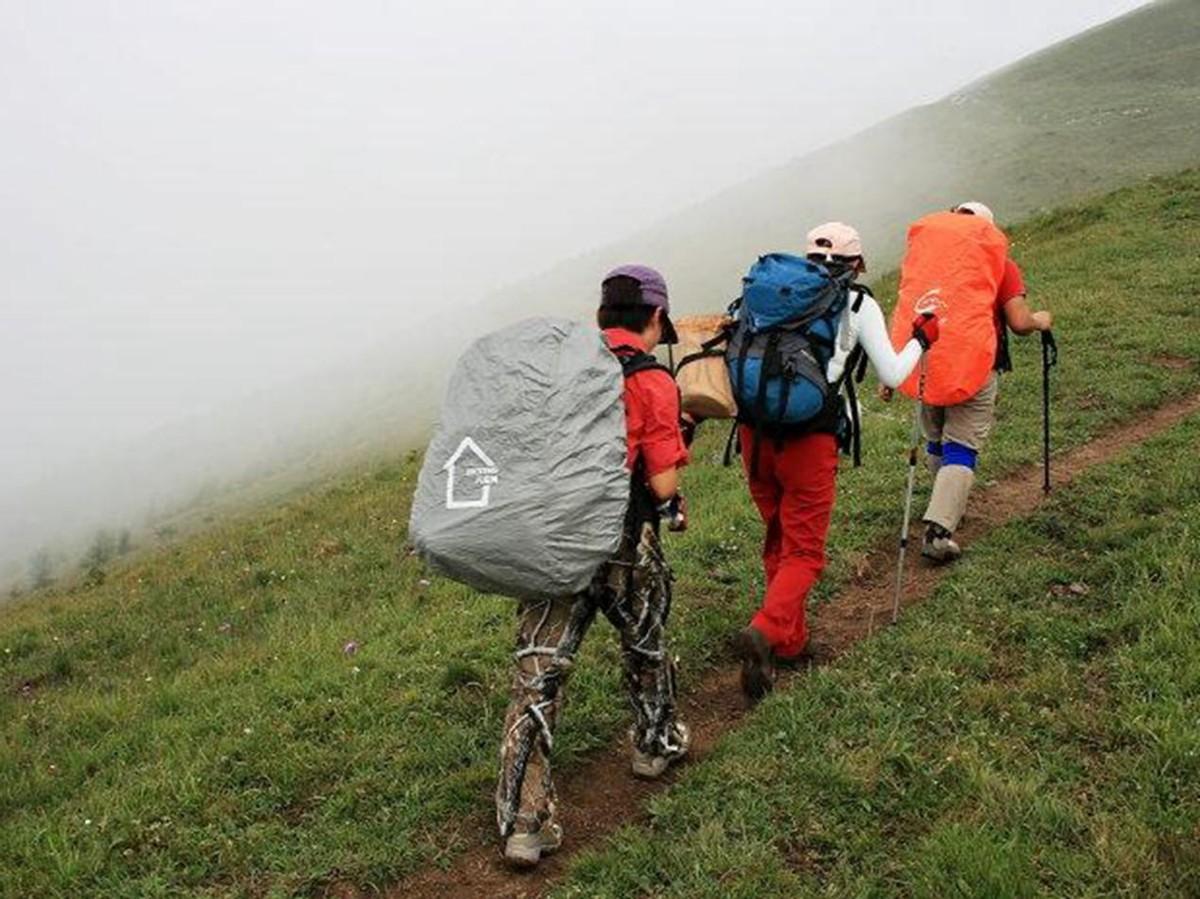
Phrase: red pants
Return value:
(793, 487)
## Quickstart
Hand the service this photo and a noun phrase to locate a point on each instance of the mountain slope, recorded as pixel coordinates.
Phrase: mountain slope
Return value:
(290, 699)
(1116, 103)
(1100, 110)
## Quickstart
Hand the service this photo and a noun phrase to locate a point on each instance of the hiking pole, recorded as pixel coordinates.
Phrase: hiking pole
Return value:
(908, 493)
(1049, 360)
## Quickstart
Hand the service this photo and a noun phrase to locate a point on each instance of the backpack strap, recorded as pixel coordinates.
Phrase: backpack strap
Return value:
(852, 375)
(733, 446)
(756, 442)
(1003, 355)
(634, 360)
(862, 368)
(852, 401)
(772, 365)
(785, 391)
(707, 350)
(821, 341)
(642, 505)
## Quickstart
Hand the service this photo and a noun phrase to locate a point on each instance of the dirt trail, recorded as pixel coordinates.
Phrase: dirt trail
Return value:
(601, 795)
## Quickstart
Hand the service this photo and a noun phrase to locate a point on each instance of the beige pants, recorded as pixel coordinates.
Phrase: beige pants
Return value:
(968, 424)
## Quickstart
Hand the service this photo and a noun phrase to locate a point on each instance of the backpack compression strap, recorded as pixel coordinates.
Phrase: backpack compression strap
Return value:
(707, 350)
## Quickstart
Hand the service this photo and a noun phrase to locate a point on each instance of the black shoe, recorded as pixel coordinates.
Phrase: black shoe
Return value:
(798, 662)
(758, 665)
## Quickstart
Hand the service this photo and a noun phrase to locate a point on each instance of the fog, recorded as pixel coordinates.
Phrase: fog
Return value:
(241, 238)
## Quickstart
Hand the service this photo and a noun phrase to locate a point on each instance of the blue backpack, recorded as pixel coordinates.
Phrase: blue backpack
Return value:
(783, 339)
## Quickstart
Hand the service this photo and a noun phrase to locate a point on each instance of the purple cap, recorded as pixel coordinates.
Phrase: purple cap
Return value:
(654, 293)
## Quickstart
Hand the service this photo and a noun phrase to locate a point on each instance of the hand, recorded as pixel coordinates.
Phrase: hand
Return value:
(1043, 320)
(886, 393)
(688, 425)
(679, 522)
(926, 330)
(674, 511)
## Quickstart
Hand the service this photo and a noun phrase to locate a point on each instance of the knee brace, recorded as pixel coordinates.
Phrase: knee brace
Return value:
(933, 456)
(957, 454)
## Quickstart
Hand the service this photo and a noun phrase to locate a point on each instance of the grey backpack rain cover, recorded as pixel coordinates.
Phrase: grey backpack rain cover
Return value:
(524, 488)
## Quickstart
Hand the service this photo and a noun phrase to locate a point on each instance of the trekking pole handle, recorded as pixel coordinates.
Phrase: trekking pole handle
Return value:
(1049, 349)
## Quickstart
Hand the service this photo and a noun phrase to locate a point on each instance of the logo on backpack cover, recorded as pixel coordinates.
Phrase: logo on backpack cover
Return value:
(931, 301)
(463, 476)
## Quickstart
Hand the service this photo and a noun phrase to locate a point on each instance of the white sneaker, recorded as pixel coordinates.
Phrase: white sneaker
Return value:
(653, 766)
(524, 850)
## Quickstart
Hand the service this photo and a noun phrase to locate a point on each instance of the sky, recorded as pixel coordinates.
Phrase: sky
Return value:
(202, 199)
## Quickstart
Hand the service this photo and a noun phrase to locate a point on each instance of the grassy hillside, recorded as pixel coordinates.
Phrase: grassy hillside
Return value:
(291, 699)
(1014, 737)
(1095, 112)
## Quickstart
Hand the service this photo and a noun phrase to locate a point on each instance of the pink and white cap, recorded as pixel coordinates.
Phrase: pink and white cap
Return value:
(834, 239)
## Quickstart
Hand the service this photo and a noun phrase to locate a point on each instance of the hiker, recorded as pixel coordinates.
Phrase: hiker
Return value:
(632, 590)
(955, 433)
(791, 467)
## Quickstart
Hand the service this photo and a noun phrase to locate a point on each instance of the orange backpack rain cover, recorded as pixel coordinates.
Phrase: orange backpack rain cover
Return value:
(953, 266)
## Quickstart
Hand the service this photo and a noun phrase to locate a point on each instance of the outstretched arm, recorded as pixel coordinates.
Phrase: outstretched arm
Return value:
(1021, 320)
(891, 367)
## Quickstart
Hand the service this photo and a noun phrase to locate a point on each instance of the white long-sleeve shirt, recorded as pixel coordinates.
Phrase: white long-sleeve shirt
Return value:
(867, 328)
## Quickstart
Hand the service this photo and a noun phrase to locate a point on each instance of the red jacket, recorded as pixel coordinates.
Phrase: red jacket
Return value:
(651, 413)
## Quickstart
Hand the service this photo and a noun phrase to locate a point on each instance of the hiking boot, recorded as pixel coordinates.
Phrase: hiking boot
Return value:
(937, 545)
(758, 664)
(524, 850)
(652, 766)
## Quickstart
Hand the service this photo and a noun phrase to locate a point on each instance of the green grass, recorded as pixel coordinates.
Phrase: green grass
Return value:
(193, 726)
(1013, 737)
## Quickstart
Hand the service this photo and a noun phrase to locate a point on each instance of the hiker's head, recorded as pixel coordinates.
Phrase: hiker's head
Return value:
(836, 246)
(974, 207)
(635, 297)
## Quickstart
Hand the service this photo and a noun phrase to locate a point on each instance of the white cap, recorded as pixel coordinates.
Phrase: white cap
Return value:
(974, 207)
